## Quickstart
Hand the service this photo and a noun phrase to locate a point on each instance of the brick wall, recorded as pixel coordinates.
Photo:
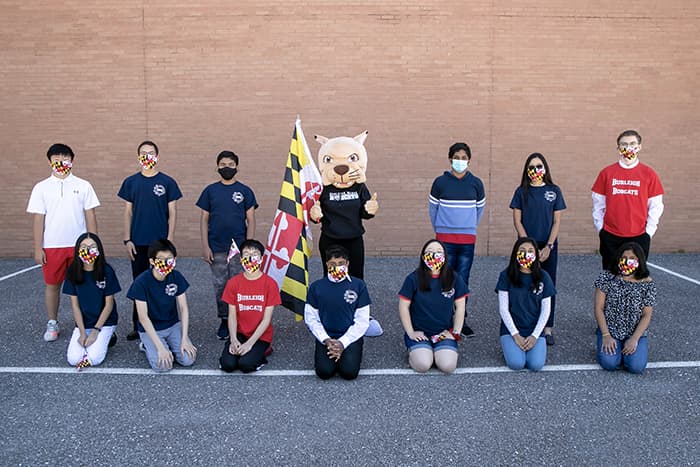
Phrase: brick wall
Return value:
(561, 78)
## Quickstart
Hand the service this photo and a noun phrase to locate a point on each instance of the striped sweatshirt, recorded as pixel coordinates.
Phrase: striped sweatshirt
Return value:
(456, 206)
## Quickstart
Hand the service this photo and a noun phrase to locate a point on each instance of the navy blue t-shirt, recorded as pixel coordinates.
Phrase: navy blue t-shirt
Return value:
(160, 296)
(432, 311)
(227, 206)
(524, 304)
(91, 296)
(336, 303)
(150, 197)
(538, 215)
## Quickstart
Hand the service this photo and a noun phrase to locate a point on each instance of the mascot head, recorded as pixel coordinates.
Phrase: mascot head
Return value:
(342, 161)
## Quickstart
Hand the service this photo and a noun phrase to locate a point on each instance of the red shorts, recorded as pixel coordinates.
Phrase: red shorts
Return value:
(57, 262)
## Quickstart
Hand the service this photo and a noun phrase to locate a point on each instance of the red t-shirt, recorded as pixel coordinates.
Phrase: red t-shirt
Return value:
(251, 297)
(626, 194)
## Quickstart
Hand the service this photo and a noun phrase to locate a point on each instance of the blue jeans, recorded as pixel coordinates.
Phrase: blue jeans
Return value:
(517, 359)
(460, 258)
(171, 338)
(634, 363)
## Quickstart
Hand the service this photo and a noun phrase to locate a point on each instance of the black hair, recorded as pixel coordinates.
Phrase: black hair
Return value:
(162, 244)
(642, 271)
(147, 143)
(425, 274)
(75, 270)
(59, 149)
(525, 180)
(228, 155)
(252, 243)
(513, 270)
(337, 251)
(459, 147)
(630, 133)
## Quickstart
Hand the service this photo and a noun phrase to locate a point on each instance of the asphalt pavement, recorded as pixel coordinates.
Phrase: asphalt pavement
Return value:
(574, 414)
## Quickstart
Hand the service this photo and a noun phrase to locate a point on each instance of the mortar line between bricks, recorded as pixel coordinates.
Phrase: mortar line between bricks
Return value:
(287, 373)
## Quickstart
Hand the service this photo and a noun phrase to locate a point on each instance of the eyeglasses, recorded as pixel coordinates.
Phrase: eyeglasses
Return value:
(538, 166)
(628, 145)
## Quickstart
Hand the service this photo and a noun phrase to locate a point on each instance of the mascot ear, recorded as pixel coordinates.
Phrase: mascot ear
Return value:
(361, 137)
(321, 139)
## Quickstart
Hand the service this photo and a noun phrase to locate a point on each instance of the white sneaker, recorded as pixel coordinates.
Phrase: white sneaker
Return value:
(52, 331)
(142, 347)
(374, 329)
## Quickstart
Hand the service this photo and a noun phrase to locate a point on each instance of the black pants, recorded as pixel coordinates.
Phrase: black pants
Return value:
(551, 267)
(246, 363)
(138, 265)
(356, 248)
(610, 243)
(348, 367)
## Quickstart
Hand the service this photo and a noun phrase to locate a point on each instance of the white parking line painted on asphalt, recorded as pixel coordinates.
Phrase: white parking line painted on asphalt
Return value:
(9, 276)
(668, 271)
(367, 372)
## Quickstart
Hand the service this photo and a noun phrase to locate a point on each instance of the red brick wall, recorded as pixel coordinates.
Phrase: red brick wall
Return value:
(550, 76)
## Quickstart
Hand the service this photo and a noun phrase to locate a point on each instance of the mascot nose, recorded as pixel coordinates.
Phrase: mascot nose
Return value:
(341, 169)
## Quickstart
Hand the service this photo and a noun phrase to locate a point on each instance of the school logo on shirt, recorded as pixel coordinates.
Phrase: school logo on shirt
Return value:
(101, 284)
(540, 289)
(350, 296)
(171, 290)
(237, 197)
(343, 196)
(634, 191)
(158, 189)
(449, 294)
(550, 196)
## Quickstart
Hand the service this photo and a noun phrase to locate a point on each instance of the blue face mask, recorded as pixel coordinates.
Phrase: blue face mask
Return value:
(459, 166)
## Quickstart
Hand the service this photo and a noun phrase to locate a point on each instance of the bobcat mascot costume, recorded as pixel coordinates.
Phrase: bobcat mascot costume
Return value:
(344, 202)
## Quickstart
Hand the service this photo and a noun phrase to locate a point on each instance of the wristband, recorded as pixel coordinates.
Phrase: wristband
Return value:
(456, 334)
(127, 241)
(606, 334)
(550, 245)
(98, 329)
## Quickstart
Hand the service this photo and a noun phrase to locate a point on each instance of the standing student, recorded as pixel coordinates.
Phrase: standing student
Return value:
(624, 298)
(537, 205)
(63, 206)
(337, 314)
(431, 308)
(456, 204)
(251, 297)
(163, 314)
(149, 212)
(91, 284)
(228, 213)
(627, 200)
(524, 300)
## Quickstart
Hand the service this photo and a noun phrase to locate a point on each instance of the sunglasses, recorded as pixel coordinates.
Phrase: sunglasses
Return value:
(538, 166)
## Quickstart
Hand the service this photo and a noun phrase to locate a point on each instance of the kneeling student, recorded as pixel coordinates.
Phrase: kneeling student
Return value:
(161, 304)
(337, 314)
(91, 284)
(251, 297)
(524, 291)
(431, 308)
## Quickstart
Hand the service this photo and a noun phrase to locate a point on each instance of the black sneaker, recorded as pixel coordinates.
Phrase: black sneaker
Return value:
(133, 335)
(112, 340)
(467, 331)
(222, 333)
(549, 339)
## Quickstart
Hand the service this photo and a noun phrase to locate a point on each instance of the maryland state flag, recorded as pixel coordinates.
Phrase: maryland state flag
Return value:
(289, 243)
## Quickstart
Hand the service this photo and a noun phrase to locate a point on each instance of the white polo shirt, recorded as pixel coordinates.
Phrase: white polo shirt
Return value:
(63, 202)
